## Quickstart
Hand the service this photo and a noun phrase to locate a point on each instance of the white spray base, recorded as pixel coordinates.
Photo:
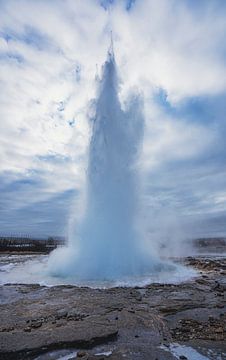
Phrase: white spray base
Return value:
(33, 269)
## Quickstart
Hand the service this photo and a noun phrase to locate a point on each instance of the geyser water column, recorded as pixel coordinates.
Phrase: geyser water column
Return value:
(109, 233)
(106, 243)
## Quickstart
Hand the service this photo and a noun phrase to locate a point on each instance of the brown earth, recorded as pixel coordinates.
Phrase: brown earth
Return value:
(131, 323)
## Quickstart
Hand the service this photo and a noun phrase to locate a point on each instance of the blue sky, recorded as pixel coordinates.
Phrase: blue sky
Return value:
(172, 51)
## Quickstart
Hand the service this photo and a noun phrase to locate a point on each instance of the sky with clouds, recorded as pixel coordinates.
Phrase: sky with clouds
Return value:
(171, 51)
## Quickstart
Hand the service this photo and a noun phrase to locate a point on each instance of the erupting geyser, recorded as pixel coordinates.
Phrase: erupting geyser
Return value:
(106, 243)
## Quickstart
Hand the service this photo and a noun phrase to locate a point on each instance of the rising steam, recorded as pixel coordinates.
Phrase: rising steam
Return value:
(106, 242)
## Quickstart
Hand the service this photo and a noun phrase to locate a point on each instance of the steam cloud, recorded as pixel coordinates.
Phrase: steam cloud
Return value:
(106, 242)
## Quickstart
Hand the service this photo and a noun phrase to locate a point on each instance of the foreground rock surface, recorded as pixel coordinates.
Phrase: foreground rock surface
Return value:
(118, 323)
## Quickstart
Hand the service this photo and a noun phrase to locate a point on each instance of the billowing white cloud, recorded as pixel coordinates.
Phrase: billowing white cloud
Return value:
(49, 55)
(170, 45)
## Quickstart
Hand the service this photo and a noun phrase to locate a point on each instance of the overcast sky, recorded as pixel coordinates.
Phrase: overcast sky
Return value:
(171, 51)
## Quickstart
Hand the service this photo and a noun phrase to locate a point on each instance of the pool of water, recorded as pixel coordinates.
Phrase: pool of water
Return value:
(180, 350)
(30, 269)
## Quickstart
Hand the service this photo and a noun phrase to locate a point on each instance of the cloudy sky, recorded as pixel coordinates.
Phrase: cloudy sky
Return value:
(171, 51)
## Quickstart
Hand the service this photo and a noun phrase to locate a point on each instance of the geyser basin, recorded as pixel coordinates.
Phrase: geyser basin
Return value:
(33, 269)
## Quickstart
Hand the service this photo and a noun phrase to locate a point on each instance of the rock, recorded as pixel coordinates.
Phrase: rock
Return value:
(183, 357)
(220, 306)
(201, 281)
(82, 354)
(27, 329)
(219, 330)
(62, 313)
(36, 325)
(132, 311)
(7, 329)
(72, 313)
(61, 322)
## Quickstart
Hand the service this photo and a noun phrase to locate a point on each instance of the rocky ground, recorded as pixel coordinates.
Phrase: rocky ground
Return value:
(158, 322)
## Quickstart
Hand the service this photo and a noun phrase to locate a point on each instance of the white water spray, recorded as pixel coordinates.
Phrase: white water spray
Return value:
(106, 243)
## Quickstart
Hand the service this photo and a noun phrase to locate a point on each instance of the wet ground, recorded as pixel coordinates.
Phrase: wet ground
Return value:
(158, 321)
